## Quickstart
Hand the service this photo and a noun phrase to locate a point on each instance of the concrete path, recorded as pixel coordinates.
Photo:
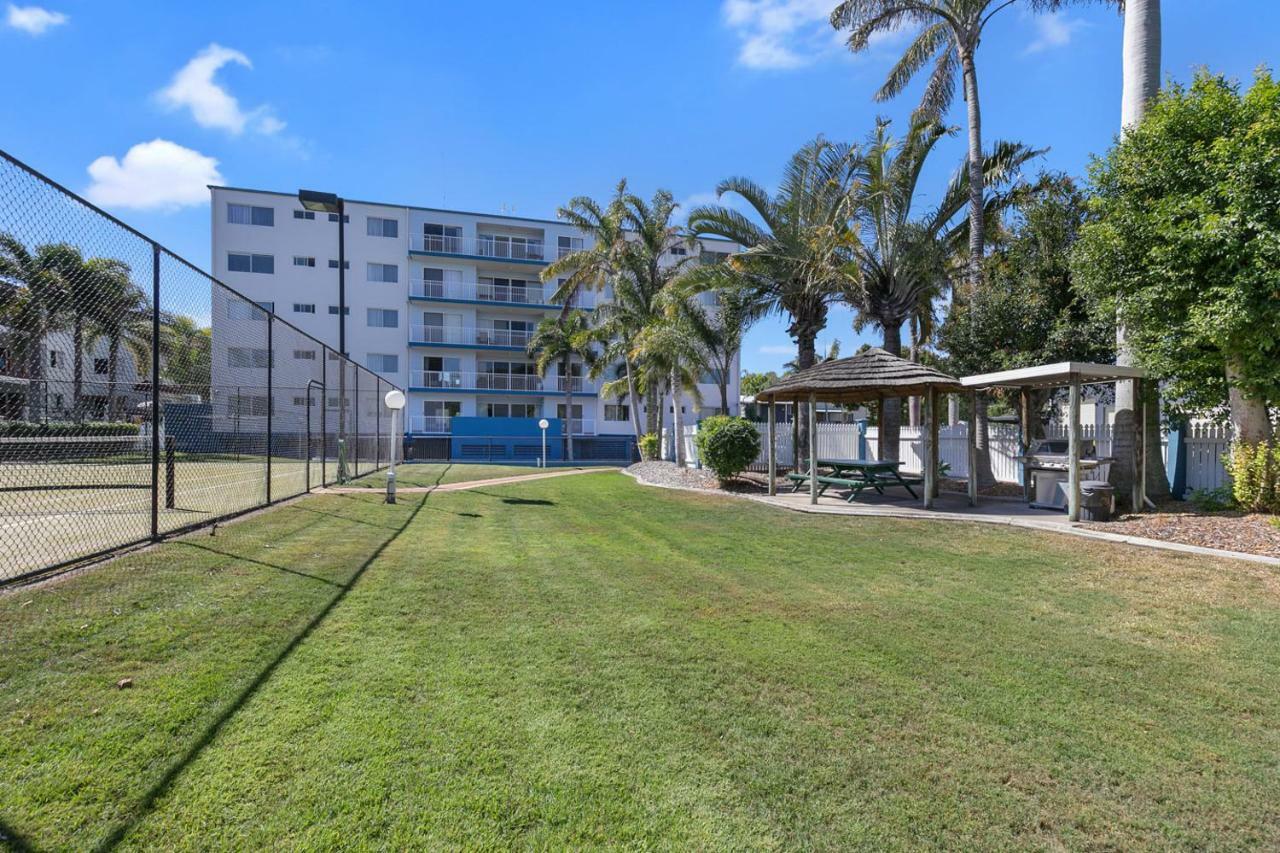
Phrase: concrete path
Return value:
(459, 487)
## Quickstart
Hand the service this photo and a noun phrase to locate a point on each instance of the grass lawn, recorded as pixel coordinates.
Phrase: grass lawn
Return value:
(582, 660)
(441, 473)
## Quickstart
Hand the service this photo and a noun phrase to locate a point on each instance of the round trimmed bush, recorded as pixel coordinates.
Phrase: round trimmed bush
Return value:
(727, 445)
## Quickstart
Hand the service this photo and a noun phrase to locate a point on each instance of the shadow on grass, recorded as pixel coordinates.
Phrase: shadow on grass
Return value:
(240, 557)
(211, 731)
(11, 839)
(507, 499)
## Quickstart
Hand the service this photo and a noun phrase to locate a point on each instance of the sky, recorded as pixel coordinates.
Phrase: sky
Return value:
(517, 107)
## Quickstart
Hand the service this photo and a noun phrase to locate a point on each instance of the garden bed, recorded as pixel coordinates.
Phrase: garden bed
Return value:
(1247, 533)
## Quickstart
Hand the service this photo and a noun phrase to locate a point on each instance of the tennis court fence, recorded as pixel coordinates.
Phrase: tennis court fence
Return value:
(140, 397)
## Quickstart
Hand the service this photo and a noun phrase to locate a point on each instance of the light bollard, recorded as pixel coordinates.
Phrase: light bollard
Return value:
(543, 424)
(395, 402)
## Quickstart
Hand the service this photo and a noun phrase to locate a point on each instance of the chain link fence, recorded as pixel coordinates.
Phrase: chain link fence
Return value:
(139, 397)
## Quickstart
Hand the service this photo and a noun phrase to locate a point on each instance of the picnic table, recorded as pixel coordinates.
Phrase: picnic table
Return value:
(857, 475)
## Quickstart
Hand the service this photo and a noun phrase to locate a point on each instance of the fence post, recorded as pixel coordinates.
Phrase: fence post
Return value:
(377, 425)
(270, 365)
(356, 395)
(324, 413)
(155, 391)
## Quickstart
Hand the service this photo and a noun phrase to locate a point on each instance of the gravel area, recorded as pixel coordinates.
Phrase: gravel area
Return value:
(670, 474)
(1248, 534)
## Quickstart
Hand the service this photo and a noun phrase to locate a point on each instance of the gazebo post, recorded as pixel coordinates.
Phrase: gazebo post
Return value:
(1140, 481)
(935, 406)
(813, 448)
(930, 446)
(1024, 419)
(795, 436)
(1073, 452)
(773, 451)
(973, 448)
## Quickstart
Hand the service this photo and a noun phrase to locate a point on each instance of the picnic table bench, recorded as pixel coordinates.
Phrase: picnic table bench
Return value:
(857, 475)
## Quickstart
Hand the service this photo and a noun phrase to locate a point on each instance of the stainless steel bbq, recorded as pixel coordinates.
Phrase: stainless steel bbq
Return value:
(1046, 464)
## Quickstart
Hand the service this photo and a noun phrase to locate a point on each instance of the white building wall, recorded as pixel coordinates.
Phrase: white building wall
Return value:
(290, 286)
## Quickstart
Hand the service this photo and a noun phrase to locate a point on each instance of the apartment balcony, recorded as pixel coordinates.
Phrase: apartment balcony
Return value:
(460, 336)
(482, 293)
(501, 383)
(520, 250)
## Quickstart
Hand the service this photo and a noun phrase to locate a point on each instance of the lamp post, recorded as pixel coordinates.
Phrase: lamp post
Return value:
(542, 425)
(395, 402)
(319, 202)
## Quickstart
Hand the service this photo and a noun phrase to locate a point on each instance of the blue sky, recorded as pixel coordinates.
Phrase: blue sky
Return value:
(520, 106)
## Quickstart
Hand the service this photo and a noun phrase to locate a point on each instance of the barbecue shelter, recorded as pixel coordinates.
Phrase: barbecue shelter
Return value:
(1073, 375)
(871, 375)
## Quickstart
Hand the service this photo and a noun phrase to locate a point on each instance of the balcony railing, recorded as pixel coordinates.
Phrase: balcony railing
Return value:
(472, 291)
(455, 379)
(499, 247)
(464, 336)
(428, 423)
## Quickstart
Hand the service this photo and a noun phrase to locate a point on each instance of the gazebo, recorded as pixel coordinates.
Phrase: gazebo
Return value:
(871, 375)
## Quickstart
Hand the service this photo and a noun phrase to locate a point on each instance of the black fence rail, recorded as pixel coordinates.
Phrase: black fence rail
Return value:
(140, 397)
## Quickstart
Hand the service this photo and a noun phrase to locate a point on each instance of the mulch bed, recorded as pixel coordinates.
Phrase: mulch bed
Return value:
(1232, 531)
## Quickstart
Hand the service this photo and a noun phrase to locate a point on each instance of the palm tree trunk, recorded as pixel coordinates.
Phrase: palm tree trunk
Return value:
(35, 375)
(633, 402)
(982, 441)
(913, 403)
(113, 363)
(891, 408)
(77, 368)
(1141, 63)
(677, 417)
(568, 409)
(806, 336)
(977, 225)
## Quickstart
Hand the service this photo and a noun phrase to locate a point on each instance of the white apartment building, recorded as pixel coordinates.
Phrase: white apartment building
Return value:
(440, 302)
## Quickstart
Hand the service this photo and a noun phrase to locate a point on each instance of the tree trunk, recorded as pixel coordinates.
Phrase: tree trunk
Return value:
(913, 403)
(891, 408)
(77, 369)
(568, 408)
(1250, 422)
(977, 225)
(982, 441)
(1141, 83)
(677, 418)
(113, 364)
(633, 402)
(806, 355)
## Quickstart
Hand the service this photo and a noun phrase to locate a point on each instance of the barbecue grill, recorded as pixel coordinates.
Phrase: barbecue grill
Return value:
(1046, 464)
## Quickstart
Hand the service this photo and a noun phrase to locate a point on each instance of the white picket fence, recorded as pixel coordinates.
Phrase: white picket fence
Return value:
(1206, 444)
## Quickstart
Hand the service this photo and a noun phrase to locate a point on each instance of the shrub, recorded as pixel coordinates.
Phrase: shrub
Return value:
(648, 444)
(727, 445)
(34, 429)
(1255, 475)
(1211, 500)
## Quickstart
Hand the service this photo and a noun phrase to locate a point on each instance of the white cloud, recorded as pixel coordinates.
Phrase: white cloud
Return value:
(781, 35)
(778, 349)
(33, 20)
(1053, 29)
(155, 175)
(211, 105)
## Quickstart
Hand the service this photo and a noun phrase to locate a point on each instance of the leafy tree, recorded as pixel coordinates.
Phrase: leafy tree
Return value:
(562, 339)
(722, 326)
(1185, 245)
(186, 354)
(752, 384)
(33, 298)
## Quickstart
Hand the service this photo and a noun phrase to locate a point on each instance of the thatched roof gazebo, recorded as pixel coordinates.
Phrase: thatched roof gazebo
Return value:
(870, 375)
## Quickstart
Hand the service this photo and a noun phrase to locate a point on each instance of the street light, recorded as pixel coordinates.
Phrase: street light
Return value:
(543, 424)
(319, 202)
(395, 402)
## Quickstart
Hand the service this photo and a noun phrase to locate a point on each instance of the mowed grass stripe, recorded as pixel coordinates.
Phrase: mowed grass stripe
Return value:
(584, 661)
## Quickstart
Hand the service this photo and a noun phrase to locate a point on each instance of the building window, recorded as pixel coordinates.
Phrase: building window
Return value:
(382, 362)
(441, 238)
(53, 357)
(712, 257)
(244, 214)
(384, 272)
(333, 217)
(244, 262)
(238, 309)
(380, 227)
(510, 410)
(269, 307)
(333, 264)
(333, 309)
(679, 251)
(247, 357)
(100, 366)
(304, 354)
(303, 261)
(247, 405)
(620, 412)
(304, 214)
(568, 245)
(304, 308)
(383, 318)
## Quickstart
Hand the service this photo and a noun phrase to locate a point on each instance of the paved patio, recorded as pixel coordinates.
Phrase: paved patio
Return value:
(897, 503)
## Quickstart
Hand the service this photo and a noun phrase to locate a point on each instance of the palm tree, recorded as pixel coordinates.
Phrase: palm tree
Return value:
(90, 295)
(739, 302)
(673, 345)
(950, 31)
(594, 265)
(33, 297)
(561, 339)
(123, 317)
(634, 307)
(902, 260)
(186, 354)
(799, 257)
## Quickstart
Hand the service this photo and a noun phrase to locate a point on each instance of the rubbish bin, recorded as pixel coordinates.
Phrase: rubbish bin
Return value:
(1097, 500)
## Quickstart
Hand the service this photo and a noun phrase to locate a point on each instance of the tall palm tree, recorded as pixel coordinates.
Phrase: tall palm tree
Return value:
(560, 340)
(799, 256)
(950, 31)
(738, 303)
(672, 344)
(91, 296)
(33, 297)
(634, 307)
(902, 259)
(594, 265)
(123, 317)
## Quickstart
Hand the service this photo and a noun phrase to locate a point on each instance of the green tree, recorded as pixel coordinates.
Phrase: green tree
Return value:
(186, 355)
(33, 298)
(560, 340)
(738, 305)
(798, 257)
(752, 384)
(947, 42)
(123, 317)
(1184, 244)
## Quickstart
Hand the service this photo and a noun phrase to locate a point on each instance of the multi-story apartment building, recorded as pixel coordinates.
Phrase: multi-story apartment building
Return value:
(440, 302)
